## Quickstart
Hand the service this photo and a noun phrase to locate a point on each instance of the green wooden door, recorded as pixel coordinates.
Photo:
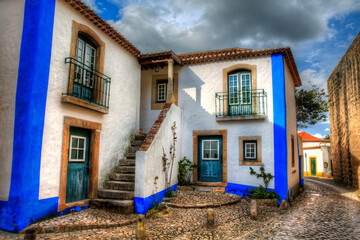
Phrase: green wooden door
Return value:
(210, 159)
(313, 166)
(77, 184)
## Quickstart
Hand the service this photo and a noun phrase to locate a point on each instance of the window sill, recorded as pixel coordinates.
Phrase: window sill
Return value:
(240, 118)
(83, 103)
(250, 163)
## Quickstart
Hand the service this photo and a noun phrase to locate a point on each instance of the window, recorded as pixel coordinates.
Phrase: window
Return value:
(77, 149)
(161, 90)
(210, 150)
(84, 76)
(233, 89)
(292, 151)
(245, 88)
(250, 150)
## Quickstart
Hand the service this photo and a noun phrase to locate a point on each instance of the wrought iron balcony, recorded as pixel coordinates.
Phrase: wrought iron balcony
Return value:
(241, 103)
(87, 84)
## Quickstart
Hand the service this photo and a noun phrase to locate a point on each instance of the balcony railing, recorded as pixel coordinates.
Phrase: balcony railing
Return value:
(241, 103)
(88, 84)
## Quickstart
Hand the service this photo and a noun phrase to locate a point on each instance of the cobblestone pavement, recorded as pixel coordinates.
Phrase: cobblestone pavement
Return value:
(323, 211)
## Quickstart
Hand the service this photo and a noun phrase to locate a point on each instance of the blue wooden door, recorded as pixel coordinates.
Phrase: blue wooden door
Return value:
(77, 183)
(210, 159)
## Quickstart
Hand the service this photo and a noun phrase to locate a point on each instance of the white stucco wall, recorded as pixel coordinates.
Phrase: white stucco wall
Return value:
(11, 24)
(123, 117)
(149, 163)
(318, 153)
(198, 84)
(291, 130)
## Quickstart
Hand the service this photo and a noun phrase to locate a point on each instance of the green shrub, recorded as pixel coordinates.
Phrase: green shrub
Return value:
(185, 166)
(170, 193)
(261, 193)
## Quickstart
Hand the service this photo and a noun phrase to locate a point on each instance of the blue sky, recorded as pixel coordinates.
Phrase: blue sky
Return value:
(318, 31)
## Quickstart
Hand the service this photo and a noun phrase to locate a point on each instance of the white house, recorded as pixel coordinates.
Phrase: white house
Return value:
(316, 155)
(74, 92)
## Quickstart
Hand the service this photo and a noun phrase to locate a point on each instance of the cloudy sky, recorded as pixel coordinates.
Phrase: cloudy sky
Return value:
(318, 31)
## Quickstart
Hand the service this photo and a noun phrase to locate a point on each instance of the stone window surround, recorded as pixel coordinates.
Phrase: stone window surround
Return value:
(200, 133)
(242, 161)
(93, 160)
(155, 105)
(227, 71)
(99, 64)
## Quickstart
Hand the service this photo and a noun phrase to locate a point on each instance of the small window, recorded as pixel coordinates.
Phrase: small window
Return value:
(77, 149)
(210, 150)
(161, 91)
(292, 151)
(250, 150)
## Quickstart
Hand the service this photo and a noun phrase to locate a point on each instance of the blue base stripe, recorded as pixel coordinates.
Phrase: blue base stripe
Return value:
(280, 142)
(143, 205)
(239, 189)
(23, 205)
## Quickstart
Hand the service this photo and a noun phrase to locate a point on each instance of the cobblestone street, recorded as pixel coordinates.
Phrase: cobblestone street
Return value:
(323, 211)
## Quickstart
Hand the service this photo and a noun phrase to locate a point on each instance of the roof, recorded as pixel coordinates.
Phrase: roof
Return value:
(231, 53)
(310, 138)
(83, 9)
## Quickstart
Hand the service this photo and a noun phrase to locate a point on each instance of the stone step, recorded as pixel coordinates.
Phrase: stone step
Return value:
(130, 155)
(124, 169)
(117, 206)
(140, 136)
(117, 185)
(136, 142)
(134, 149)
(122, 177)
(116, 194)
(127, 162)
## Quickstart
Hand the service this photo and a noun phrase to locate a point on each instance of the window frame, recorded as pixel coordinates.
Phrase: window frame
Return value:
(237, 97)
(203, 149)
(246, 161)
(245, 152)
(244, 73)
(77, 149)
(158, 84)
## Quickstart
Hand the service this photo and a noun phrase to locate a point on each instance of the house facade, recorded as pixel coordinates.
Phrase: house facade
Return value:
(75, 92)
(316, 155)
(344, 115)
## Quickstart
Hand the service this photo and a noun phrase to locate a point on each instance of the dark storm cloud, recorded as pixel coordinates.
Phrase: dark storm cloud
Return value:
(185, 26)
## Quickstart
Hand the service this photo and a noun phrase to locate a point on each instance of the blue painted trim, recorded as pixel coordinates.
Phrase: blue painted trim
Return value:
(280, 141)
(302, 182)
(143, 205)
(24, 206)
(239, 189)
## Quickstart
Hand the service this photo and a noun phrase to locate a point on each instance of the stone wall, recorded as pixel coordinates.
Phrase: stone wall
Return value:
(344, 104)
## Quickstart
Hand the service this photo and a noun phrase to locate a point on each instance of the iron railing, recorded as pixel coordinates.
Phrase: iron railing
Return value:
(241, 103)
(88, 84)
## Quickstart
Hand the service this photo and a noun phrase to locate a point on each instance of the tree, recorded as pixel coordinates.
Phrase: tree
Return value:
(311, 106)
(327, 137)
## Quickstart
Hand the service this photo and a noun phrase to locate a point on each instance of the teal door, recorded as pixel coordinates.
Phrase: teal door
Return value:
(77, 184)
(210, 159)
(313, 166)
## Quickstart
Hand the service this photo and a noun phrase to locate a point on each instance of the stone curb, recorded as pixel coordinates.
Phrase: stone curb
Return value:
(203, 205)
(73, 228)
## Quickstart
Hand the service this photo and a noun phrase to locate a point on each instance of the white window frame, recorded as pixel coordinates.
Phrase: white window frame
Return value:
(203, 149)
(89, 68)
(255, 151)
(238, 90)
(246, 91)
(159, 98)
(77, 149)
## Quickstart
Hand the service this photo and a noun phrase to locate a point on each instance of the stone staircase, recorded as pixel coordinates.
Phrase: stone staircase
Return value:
(117, 194)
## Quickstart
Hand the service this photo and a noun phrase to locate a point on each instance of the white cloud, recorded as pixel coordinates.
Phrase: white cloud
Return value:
(92, 5)
(185, 25)
(311, 77)
(327, 130)
(318, 135)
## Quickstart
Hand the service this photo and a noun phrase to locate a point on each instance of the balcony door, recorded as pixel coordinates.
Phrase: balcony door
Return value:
(84, 76)
(240, 97)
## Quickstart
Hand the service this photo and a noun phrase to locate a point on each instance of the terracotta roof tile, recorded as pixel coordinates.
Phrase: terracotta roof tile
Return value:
(83, 9)
(310, 138)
